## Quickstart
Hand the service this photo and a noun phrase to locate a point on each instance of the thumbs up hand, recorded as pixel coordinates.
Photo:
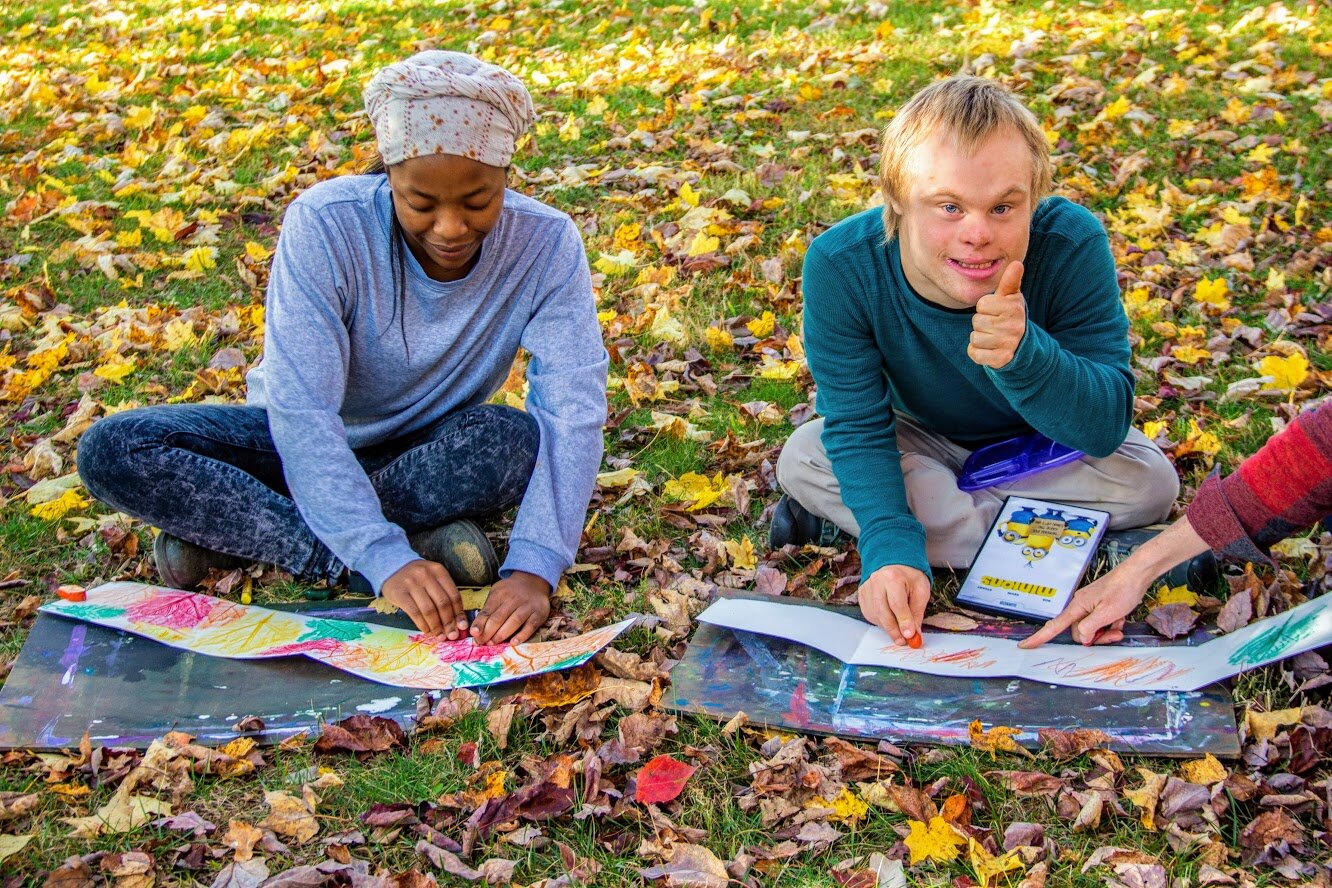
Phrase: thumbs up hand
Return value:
(1000, 321)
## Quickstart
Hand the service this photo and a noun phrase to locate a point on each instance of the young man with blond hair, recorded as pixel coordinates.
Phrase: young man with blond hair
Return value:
(972, 308)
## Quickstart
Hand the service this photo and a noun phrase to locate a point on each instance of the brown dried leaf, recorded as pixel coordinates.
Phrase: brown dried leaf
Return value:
(1236, 613)
(950, 622)
(1029, 784)
(1064, 745)
(241, 837)
(997, 739)
(361, 734)
(290, 816)
(554, 689)
(1172, 620)
(498, 721)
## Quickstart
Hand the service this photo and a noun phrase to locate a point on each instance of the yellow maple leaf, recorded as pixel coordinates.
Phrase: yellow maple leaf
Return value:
(702, 244)
(1116, 109)
(1205, 771)
(771, 368)
(58, 508)
(115, 371)
(177, 334)
(763, 325)
(129, 239)
(570, 131)
(1152, 428)
(627, 236)
(612, 264)
(1276, 281)
(688, 195)
(1146, 796)
(200, 259)
(1212, 291)
(618, 478)
(383, 606)
(141, 117)
(989, 868)
(1190, 354)
(718, 339)
(741, 553)
(597, 107)
(1286, 372)
(1176, 595)
(938, 841)
(257, 252)
(697, 490)
(1198, 441)
(997, 739)
(845, 807)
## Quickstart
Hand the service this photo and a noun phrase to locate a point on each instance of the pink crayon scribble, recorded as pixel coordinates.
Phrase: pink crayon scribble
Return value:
(172, 610)
(314, 646)
(971, 658)
(461, 651)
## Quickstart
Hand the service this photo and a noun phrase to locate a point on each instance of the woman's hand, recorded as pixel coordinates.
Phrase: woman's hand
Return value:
(1096, 612)
(518, 606)
(426, 592)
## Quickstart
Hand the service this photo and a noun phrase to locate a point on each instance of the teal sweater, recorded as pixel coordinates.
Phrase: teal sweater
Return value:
(877, 348)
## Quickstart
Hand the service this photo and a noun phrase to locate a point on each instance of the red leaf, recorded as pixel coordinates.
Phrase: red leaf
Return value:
(661, 780)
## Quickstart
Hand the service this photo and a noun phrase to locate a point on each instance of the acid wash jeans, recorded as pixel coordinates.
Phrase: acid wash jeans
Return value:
(210, 474)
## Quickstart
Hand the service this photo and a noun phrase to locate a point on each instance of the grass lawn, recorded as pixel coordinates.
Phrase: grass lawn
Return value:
(149, 149)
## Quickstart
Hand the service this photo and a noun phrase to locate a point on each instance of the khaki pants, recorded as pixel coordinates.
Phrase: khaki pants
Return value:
(1136, 484)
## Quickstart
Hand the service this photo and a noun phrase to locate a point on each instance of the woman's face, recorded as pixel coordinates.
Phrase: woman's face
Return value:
(446, 205)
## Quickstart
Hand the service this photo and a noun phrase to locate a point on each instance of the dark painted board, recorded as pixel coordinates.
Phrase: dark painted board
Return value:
(125, 690)
(787, 685)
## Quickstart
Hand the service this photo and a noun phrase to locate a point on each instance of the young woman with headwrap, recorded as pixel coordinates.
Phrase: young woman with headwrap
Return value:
(396, 304)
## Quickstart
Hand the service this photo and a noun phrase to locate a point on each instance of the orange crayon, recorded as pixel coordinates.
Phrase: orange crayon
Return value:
(72, 593)
(914, 641)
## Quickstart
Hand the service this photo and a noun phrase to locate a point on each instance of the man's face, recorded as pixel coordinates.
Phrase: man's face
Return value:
(964, 216)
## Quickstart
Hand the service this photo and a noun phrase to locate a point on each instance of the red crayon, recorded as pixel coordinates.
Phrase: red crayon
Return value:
(71, 593)
(914, 641)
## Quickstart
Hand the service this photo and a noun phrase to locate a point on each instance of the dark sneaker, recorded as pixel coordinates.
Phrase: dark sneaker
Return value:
(183, 565)
(1200, 573)
(463, 549)
(794, 525)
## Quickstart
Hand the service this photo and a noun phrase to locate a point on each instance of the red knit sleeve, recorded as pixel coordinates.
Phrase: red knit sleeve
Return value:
(1283, 488)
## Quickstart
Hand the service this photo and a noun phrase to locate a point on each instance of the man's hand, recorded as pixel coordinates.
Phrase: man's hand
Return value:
(518, 605)
(894, 597)
(1096, 612)
(1000, 321)
(426, 592)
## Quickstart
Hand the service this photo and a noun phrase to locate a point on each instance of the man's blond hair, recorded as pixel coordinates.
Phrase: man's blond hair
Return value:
(970, 109)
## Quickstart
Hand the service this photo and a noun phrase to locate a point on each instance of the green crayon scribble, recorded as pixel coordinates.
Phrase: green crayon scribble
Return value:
(90, 612)
(479, 672)
(342, 630)
(1271, 644)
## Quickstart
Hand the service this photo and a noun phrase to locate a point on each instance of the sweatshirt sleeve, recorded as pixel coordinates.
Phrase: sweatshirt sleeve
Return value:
(1070, 379)
(1283, 488)
(566, 396)
(859, 429)
(306, 355)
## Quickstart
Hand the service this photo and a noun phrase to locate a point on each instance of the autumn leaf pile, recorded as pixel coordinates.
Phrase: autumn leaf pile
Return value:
(146, 156)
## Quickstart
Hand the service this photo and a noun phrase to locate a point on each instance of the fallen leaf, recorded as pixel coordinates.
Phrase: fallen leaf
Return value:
(123, 813)
(1064, 745)
(1172, 620)
(997, 739)
(690, 866)
(249, 873)
(290, 816)
(661, 780)
(361, 734)
(939, 841)
(1204, 771)
(11, 845)
(987, 867)
(950, 622)
(1146, 796)
(1236, 613)
(498, 721)
(554, 689)
(241, 837)
(1264, 725)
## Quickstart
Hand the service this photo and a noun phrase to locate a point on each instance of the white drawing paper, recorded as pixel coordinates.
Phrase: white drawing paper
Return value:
(1112, 667)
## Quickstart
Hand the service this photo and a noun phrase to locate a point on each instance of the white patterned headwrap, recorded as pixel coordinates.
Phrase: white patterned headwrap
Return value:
(439, 102)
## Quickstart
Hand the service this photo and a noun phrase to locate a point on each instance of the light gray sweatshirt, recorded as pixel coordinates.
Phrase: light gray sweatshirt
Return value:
(337, 375)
